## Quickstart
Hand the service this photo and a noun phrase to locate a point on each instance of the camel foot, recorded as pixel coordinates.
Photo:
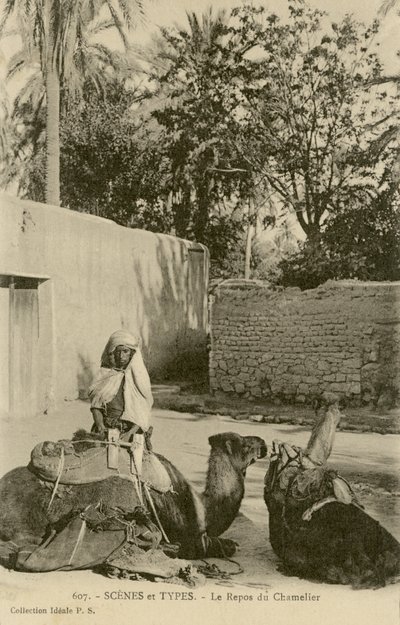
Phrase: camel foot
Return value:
(220, 547)
(170, 549)
(12, 555)
(8, 554)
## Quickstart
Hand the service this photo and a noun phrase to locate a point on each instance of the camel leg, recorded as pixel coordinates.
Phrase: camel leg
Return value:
(203, 544)
(21, 547)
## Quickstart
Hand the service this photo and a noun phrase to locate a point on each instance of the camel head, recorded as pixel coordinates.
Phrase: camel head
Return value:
(242, 450)
(230, 456)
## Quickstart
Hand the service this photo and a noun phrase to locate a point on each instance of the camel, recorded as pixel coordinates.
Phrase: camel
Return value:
(191, 521)
(317, 527)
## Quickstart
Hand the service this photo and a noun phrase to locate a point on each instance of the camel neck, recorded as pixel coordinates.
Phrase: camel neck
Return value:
(323, 435)
(223, 493)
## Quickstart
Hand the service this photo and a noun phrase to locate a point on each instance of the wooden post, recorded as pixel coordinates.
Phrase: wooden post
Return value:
(113, 449)
(11, 354)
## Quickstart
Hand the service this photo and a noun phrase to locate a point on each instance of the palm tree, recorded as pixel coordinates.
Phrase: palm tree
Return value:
(57, 31)
(93, 63)
(177, 62)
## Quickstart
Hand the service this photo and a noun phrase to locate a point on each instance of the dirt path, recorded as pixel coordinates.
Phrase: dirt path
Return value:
(370, 461)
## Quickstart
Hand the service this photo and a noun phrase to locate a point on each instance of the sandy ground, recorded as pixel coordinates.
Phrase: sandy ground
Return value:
(260, 593)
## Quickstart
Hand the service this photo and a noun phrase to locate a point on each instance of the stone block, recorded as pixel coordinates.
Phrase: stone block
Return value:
(355, 388)
(370, 367)
(340, 387)
(268, 356)
(373, 356)
(311, 379)
(352, 363)
(303, 389)
(257, 418)
(353, 377)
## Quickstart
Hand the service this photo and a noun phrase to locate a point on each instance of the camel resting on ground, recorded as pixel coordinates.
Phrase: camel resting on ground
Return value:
(193, 522)
(316, 526)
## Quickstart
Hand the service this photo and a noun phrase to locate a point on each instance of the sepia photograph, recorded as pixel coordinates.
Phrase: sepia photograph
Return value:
(199, 312)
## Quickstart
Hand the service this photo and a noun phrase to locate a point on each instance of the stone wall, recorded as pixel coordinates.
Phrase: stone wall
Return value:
(342, 337)
(68, 280)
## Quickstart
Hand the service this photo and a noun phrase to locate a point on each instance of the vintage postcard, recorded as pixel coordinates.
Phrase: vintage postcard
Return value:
(199, 312)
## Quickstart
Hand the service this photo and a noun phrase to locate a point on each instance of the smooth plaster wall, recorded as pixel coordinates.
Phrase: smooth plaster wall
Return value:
(96, 277)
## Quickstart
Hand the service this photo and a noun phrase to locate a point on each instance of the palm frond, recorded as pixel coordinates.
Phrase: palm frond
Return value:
(26, 57)
(119, 24)
(8, 9)
(132, 10)
(32, 91)
(387, 6)
(16, 64)
(96, 27)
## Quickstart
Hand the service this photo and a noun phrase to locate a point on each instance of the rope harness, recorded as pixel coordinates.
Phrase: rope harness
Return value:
(135, 475)
(94, 518)
(321, 488)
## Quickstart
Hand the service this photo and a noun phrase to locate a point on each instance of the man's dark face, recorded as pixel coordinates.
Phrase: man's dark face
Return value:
(122, 356)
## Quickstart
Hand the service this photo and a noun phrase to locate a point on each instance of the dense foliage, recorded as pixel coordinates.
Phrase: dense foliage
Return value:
(225, 128)
(362, 243)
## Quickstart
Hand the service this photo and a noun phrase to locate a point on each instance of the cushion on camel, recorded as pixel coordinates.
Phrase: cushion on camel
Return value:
(61, 462)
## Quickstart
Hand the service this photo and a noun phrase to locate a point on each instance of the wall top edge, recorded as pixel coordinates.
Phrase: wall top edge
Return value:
(19, 274)
(242, 285)
(6, 198)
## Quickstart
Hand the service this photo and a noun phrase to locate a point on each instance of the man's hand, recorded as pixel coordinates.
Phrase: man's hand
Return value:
(98, 421)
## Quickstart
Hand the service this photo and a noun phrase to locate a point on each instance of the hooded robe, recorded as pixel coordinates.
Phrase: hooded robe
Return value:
(138, 398)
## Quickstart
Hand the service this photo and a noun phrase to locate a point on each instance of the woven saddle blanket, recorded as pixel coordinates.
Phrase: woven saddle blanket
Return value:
(59, 462)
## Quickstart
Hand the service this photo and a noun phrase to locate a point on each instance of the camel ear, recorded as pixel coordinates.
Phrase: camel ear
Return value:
(228, 447)
(219, 440)
(213, 440)
(222, 441)
(316, 404)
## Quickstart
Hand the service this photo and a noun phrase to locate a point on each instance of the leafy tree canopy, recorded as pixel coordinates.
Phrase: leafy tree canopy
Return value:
(361, 243)
(240, 119)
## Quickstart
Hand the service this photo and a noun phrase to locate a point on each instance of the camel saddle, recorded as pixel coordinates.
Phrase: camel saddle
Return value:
(303, 479)
(60, 462)
(124, 541)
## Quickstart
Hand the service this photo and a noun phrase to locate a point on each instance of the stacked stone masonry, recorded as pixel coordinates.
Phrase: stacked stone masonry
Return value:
(342, 337)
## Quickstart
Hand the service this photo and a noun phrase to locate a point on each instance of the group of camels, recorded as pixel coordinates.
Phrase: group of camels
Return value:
(316, 526)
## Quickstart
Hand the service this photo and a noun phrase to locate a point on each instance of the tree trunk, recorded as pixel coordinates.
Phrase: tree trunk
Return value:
(52, 120)
(313, 234)
(203, 202)
(249, 240)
